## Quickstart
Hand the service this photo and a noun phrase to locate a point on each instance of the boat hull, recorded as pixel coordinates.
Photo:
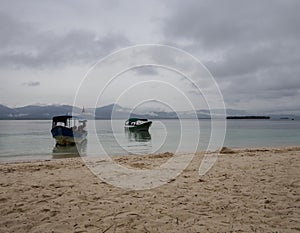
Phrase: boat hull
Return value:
(139, 136)
(66, 136)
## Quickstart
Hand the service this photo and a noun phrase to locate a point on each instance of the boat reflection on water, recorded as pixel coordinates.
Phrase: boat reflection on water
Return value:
(69, 151)
(138, 136)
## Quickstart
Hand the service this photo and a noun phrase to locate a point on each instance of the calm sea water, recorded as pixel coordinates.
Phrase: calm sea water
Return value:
(31, 139)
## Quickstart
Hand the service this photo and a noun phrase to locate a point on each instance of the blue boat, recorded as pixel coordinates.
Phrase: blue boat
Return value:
(68, 130)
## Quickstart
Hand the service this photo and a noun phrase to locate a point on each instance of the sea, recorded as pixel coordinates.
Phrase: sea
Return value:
(27, 140)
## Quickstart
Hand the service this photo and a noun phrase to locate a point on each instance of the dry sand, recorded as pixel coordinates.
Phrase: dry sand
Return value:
(246, 191)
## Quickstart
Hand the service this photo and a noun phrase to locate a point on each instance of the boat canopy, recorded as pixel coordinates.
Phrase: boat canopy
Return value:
(64, 118)
(136, 119)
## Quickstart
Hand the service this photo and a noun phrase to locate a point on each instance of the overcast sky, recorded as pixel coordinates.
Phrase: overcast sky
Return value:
(251, 48)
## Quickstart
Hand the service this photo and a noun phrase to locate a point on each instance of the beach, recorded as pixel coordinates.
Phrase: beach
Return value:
(247, 190)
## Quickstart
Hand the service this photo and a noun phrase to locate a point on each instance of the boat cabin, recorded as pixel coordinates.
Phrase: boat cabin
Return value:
(72, 122)
(135, 121)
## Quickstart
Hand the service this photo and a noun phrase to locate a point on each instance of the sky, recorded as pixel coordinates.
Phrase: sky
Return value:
(251, 49)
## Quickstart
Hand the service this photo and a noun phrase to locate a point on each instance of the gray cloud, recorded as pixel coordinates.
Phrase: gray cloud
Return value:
(218, 24)
(31, 83)
(23, 45)
(251, 47)
(146, 70)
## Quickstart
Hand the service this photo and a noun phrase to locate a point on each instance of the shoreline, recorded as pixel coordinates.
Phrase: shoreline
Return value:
(245, 191)
(234, 149)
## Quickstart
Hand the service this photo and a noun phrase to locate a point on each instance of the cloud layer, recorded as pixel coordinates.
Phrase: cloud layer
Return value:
(22, 45)
(251, 47)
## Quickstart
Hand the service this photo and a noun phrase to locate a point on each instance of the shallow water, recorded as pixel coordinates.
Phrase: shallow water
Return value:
(31, 139)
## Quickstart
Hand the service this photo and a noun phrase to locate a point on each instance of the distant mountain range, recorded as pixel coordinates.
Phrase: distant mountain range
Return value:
(34, 111)
(112, 111)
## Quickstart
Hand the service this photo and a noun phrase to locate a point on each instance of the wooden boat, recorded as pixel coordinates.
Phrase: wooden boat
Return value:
(68, 130)
(137, 124)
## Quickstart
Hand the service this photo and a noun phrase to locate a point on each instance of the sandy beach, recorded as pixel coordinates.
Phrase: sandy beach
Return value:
(247, 190)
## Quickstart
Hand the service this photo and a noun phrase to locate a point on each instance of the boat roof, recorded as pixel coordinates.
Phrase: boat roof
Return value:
(63, 118)
(137, 119)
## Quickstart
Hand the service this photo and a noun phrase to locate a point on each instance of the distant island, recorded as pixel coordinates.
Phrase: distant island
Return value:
(115, 111)
(248, 117)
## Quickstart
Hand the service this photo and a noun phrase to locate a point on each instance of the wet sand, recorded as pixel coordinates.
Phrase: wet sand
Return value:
(248, 190)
